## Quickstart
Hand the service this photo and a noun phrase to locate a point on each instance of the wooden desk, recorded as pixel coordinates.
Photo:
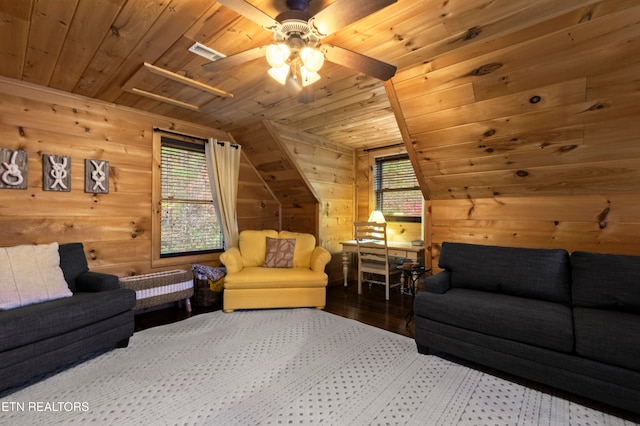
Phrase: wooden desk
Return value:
(396, 249)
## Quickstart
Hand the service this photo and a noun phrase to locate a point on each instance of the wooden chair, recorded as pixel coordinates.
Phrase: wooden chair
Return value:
(373, 254)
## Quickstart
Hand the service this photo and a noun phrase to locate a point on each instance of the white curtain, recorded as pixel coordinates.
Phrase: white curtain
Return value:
(223, 163)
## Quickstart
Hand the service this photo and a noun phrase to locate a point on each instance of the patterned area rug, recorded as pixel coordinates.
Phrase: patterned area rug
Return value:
(300, 366)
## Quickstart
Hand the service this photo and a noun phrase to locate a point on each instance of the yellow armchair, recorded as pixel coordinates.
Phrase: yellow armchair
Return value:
(251, 283)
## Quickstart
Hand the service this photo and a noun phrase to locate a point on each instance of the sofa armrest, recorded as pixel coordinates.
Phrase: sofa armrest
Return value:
(319, 258)
(92, 282)
(232, 260)
(438, 283)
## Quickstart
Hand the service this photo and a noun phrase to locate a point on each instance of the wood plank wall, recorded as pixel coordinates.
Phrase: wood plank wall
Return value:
(264, 149)
(329, 169)
(532, 140)
(258, 207)
(115, 227)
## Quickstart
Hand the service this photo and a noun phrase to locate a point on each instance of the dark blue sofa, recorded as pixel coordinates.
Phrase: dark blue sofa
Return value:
(568, 321)
(38, 338)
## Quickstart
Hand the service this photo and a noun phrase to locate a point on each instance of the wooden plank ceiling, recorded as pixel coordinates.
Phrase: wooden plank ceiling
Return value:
(95, 48)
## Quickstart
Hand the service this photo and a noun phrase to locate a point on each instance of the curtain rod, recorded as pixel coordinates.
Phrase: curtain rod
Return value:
(158, 129)
(382, 147)
(236, 146)
(221, 143)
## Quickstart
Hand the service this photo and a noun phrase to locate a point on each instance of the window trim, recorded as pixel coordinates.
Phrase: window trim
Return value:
(158, 260)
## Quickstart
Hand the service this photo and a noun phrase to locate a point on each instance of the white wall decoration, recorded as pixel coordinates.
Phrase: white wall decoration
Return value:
(13, 169)
(96, 176)
(56, 173)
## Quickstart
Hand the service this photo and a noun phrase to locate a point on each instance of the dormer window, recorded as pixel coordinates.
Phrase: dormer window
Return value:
(396, 190)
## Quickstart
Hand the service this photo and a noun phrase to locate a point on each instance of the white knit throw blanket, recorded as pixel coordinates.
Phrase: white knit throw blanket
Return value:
(291, 366)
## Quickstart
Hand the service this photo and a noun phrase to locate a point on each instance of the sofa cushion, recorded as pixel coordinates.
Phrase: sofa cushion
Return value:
(33, 323)
(305, 243)
(526, 272)
(279, 252)
(608, 336)
(73, 262)
(92, 282)
(258, 277)
(535, 322)
(606, 281)
(253, 245)
(30, 274)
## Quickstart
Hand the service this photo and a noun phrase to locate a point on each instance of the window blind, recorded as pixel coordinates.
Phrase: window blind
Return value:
(189, 223)
(397, 193)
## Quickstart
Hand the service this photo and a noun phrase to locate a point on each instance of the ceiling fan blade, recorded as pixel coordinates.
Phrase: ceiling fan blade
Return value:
(251, 12)
(235, 60)
(341, 13)
(358, 62)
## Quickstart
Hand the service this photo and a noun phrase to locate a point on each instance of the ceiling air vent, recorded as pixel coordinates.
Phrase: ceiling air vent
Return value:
(206, 52)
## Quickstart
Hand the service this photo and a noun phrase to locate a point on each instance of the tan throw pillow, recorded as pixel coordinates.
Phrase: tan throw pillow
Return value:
(279, 253)
(30, 274)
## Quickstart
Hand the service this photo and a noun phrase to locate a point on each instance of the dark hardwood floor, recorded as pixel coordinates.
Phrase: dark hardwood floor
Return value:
(370, 308)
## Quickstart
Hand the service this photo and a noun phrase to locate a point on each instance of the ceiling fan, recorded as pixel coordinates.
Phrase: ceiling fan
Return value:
(297, 54)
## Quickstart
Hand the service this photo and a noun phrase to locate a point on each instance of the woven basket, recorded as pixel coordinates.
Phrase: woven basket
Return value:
(204, 296)
(160, 287)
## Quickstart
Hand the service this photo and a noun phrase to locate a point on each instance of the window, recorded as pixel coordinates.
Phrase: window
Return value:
(188, 224)
(396, 189)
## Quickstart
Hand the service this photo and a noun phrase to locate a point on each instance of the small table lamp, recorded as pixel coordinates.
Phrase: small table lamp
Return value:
(377, 216)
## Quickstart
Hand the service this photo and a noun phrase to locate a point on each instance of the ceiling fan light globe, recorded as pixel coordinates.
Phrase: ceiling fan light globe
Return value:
(280, 74)
(312, 58)
(277, 54)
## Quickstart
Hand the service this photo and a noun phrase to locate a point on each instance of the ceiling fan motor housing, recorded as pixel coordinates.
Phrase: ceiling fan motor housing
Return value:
(294, 26)
(298, 4)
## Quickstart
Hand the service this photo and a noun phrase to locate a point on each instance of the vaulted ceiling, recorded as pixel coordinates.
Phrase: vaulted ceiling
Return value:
(492, 97)
(96, 48)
